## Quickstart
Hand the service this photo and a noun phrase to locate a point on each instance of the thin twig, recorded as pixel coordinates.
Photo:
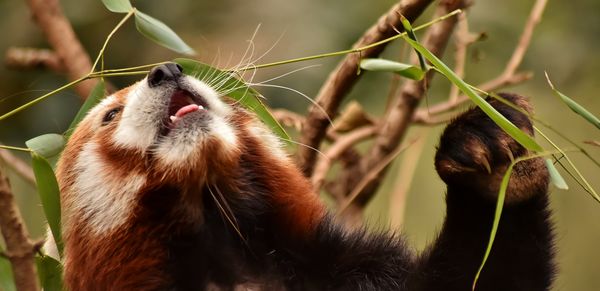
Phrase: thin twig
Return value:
(27, 58)
(20, 250)
(396, 121)
(341, 80)
(405, 177)
(509, 75)
(18, 165)
(343, 143)
(463, 39)
(348, 206)
(60, 35)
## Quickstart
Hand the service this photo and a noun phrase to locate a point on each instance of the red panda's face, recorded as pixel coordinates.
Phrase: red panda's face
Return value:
(167, 129)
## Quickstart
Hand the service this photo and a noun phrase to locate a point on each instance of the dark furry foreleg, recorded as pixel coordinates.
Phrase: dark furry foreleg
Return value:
(472, 158)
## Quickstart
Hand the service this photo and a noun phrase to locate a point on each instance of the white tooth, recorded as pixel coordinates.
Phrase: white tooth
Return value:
(173, 118)
(200, 107)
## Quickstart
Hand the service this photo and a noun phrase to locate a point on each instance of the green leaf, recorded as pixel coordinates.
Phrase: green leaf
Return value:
(49, 195)
(94, 98)
(497, 216)
(401, 69)
(409, 30)
(47, 145)
(235, 89)
(119, 6)
(160, 33)
(591, 118)
(521, 137)
(555, 176)
(49, 273)
(7, 282)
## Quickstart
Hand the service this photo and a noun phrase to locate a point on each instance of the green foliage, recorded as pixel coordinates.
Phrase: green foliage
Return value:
(49, 195)
(94, 98)
(591, 118)
(160, 33)
(404, 70)
(49, 273)
(521, 137)
(119, 6)
(7, 282)
(555, 176)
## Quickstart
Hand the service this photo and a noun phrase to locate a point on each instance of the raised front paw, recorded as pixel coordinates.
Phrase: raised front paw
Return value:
(474, 153)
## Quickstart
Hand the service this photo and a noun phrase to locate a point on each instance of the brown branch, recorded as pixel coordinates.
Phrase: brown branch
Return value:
(18, 165)
(60, 35)
(27, 58)
(398, 117)
(20, 250)
(463, 39)
(350, 212)
(508, 77)
(405, 177)
(341, 80)
(342, 144)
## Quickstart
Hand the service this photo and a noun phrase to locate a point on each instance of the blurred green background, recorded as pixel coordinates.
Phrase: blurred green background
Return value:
(565, 44)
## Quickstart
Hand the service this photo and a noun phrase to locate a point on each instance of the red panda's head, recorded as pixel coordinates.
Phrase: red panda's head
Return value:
(167, 129)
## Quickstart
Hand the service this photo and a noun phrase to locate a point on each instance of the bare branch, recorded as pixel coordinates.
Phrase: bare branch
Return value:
(18, 165)
(403, 181)
(60, 35)
(342, 144)
(463, 39)
(27, 58)
(397, 119)
(341, 80)
(288, 118)
(535, 17)
(20, 250)
(508, 77)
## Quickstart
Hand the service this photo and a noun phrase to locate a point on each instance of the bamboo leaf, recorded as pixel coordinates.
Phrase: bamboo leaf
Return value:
(47, 145)
(94, 98)
(591, 118)
(118, 6)
(521, 137)
(555, 176)
(7, 282)
(411, 34)
(401, 69)
(236, 89)
(49, 195)
(49, 273)
(160, 33)
(497, 216)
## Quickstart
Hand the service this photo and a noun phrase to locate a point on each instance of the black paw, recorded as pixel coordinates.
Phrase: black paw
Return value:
(474, 153)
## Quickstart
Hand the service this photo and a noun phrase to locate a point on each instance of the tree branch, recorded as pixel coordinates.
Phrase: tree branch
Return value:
(20, 250)
(341, 80)
(26, 58)
(60, 35)
(397, 118)
(18, 165)
(508, 77)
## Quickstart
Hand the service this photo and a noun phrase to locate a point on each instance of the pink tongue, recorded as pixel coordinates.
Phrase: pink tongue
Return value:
(186, 109)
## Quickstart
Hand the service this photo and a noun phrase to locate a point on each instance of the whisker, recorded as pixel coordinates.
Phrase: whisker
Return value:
(297, 92)
(224, 213)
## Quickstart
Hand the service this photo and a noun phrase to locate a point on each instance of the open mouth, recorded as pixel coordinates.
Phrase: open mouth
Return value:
(182, 103)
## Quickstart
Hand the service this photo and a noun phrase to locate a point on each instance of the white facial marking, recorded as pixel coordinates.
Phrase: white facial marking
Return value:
(141, 118)
(104, 201)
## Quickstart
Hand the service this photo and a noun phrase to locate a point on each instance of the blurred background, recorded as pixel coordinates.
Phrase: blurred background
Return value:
(565, 44)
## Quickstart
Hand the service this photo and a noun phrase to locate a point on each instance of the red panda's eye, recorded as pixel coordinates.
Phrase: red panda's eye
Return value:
(110, 115)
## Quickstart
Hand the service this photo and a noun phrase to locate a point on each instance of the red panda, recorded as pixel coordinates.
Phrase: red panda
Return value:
(168, 185)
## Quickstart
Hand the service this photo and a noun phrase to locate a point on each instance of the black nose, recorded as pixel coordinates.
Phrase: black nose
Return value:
(164, 73)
